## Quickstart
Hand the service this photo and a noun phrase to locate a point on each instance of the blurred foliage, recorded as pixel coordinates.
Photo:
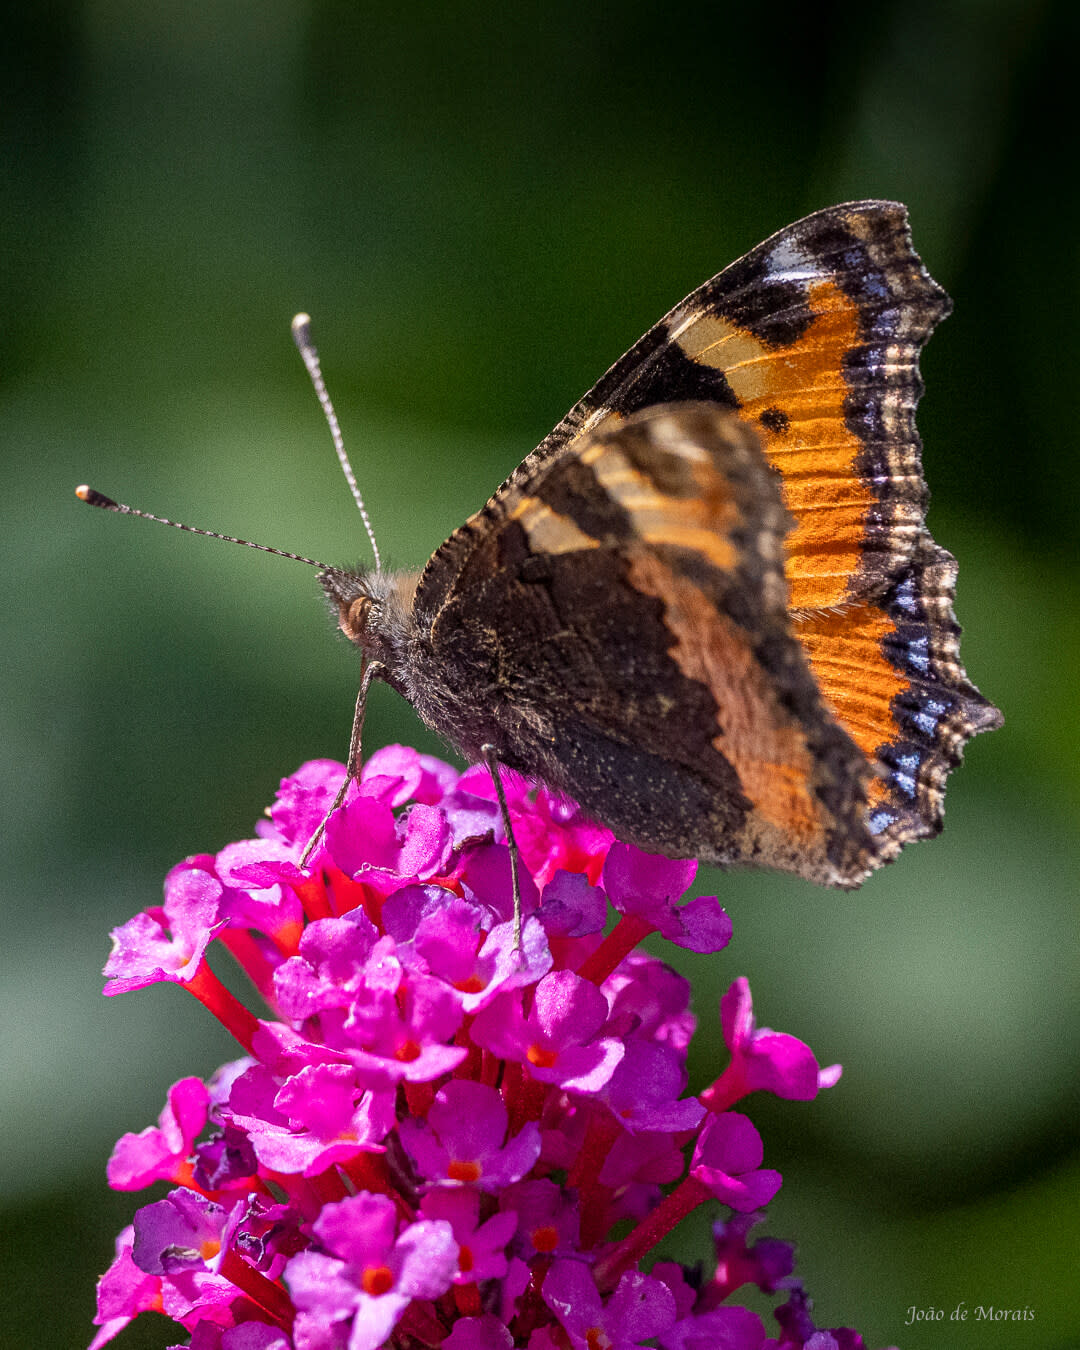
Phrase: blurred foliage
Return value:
(483, 206)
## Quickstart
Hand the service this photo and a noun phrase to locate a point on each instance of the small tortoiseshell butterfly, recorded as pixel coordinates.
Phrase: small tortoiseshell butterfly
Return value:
(707, 606)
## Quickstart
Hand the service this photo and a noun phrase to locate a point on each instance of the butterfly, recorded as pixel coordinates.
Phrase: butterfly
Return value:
(706, 606)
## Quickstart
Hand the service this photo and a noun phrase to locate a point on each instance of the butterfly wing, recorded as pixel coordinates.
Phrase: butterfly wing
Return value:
(813, 339)
(618, 627)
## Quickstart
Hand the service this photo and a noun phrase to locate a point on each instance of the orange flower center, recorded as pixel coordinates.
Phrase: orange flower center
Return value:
(472, 984)
(377, 1280)
(541, 1058)
(545, 1239)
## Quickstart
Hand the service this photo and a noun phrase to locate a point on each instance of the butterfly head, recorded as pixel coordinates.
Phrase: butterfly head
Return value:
(373, 611)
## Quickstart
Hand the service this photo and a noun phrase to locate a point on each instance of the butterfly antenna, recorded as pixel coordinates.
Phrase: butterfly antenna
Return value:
(301, 331)
(94, 498)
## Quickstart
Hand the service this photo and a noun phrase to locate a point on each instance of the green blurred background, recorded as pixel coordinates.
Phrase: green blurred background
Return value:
(483, 206)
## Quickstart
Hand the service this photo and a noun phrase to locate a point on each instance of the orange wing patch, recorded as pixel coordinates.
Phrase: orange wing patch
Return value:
(794, 398)
(856, 680)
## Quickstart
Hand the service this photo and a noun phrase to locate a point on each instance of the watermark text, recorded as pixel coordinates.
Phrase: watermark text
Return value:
(968, 1312)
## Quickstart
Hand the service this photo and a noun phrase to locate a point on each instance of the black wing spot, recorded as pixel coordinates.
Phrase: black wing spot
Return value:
(774, 419)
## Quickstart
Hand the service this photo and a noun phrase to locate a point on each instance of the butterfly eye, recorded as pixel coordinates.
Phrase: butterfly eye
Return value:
(354, 620)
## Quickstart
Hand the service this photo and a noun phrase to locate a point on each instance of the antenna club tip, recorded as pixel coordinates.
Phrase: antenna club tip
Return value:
(301, 329)
(93, 497)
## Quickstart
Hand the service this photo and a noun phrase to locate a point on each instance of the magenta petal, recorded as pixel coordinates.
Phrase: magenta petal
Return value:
(570, 907)
(252, 1336)
(319, 1098)
(737, 1014)
(479, 1333)
(304, 798)
(783, 1065)
(123, 1292)
(645, 1090)
(170, 1235)
(584, 1068)
(359, 1230)
(428, 1257)
(568, 1008)
(727, 1158)
(375, 1319)
(638, 883)
(321, 1283)
(744, 1193)
(721, 1329)
(154, 1154)
(362, 835)
(486, 878)
(701, 925)
(639, 1309)
(167, 943)
(763, 1060)
(511, 1163)
(426, 845)
(729, 1141)
(397, 764)
(570, 1292)
(470, 1118)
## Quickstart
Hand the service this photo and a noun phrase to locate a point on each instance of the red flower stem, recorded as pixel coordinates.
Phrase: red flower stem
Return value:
(245, 951)
(229, 1011)
(491, 1067)
(314, 900)
(328, 1186)
(653, 1228)
(599, 1137)
(368, 1172)
(513, 1095)
(467, 1299)
(420, 1321)
(347, 895)
(470, 1066)
(419, 1097)
(724, 1092)
(532, 1311)
(594, 1199)
(299, 1192)
(623, 938)
(270, 1297)
(534, 1097)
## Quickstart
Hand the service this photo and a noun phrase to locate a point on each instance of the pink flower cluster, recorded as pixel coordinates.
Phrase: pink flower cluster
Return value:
(439, 1137)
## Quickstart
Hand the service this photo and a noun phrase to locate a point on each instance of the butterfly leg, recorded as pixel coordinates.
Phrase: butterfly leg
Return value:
(492, 761)
(372, 671)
